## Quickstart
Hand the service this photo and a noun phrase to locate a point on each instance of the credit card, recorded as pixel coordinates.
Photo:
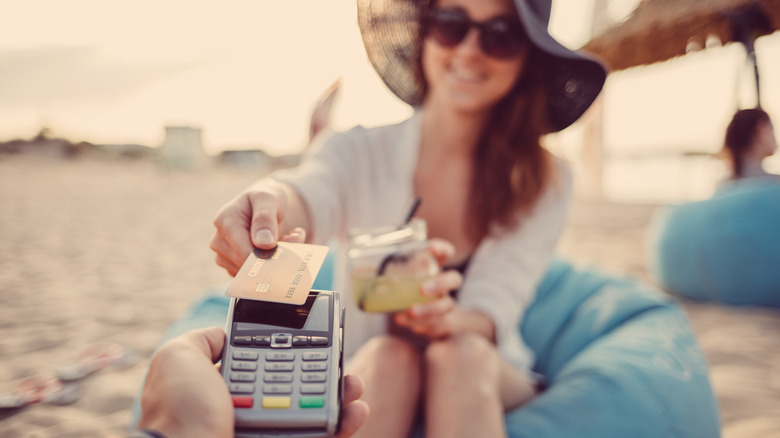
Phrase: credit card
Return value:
(284, 274)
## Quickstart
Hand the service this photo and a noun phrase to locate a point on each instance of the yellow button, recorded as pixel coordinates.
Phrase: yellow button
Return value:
(277, 402)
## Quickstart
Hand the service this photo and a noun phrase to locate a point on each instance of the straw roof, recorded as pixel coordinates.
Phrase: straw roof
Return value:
(658, 30)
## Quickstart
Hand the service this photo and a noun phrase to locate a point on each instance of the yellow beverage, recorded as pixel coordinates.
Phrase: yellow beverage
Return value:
(387, 293)
(388, 265)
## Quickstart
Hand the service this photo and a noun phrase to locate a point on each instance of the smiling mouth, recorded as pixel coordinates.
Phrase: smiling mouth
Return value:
(467, 75)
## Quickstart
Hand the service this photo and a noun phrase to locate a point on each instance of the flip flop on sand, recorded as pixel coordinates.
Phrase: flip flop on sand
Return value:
(11, 401)
(39, 389)
(97, 357)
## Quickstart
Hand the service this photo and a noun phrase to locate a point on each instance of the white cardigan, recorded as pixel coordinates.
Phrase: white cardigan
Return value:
(363, 177)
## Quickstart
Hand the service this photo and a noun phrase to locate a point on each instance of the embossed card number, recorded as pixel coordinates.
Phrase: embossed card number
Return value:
(284, 274)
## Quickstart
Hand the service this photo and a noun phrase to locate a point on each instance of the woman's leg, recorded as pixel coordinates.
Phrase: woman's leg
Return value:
(469, 387)
(390, 368)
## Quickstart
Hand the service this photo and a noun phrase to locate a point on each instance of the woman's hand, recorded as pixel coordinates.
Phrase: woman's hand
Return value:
(438, 318)
(255, 219)
(442, 317)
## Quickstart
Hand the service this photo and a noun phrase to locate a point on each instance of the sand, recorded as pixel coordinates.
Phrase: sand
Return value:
(113, 250)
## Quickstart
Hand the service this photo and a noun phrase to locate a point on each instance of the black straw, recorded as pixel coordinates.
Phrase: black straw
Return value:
(413, 210)
(389, 257)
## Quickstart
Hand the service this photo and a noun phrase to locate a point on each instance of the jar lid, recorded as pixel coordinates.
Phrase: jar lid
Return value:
(414, 230)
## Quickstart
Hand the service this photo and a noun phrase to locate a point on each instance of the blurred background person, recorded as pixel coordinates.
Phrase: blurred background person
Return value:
(750, 138)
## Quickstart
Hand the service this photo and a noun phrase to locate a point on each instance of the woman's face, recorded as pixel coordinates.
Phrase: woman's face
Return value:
(463, 77)
(765, 143)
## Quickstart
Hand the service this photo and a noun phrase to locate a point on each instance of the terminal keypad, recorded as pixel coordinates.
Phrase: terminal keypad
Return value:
(283, 371)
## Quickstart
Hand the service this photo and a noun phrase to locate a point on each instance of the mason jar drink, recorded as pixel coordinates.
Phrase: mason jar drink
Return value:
(388, 265)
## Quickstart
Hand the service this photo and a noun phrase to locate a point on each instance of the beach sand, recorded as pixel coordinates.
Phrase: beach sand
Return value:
(99, 249)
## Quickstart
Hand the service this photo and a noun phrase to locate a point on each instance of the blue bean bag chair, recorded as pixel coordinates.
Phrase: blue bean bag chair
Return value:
(724, 249)
(619, 358)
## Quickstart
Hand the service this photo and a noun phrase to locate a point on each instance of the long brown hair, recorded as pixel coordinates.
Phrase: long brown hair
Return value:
(510, 167)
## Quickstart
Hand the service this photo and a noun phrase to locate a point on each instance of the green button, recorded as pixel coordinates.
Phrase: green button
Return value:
(312, 402)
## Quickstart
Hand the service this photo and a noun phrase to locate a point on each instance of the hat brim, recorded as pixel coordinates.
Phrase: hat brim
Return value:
(575, 79)
(390, 31)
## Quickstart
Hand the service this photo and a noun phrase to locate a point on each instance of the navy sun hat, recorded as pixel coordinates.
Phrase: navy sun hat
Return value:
(390, 31)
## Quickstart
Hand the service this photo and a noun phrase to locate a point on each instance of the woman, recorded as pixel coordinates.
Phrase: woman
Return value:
(750, 138)
(487, 81)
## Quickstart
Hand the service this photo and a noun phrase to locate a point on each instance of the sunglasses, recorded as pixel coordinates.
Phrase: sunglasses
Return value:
(499, 37)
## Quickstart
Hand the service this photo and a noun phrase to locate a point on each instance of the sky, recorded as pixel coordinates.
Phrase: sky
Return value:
(247, 72)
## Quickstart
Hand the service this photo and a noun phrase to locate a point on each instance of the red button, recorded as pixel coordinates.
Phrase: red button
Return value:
(242, 402)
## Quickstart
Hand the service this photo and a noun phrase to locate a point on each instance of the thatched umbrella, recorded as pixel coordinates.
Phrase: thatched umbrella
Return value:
(658, 30)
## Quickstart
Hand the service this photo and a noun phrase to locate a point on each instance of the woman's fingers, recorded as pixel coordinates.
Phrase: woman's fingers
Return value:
(229, 266)
(430, 319)
(442, 250)
(296, 235)
(233, 264)
(442, 284)
(230, 256)
(231, 239)
(433, 310)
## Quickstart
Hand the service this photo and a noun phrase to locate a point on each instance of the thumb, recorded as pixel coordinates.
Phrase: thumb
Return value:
(266, 216)
(209, 341)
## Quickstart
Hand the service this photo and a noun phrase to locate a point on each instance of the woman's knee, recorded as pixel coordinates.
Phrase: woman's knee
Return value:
(465, 353)
(389, 352)
(463, 367)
